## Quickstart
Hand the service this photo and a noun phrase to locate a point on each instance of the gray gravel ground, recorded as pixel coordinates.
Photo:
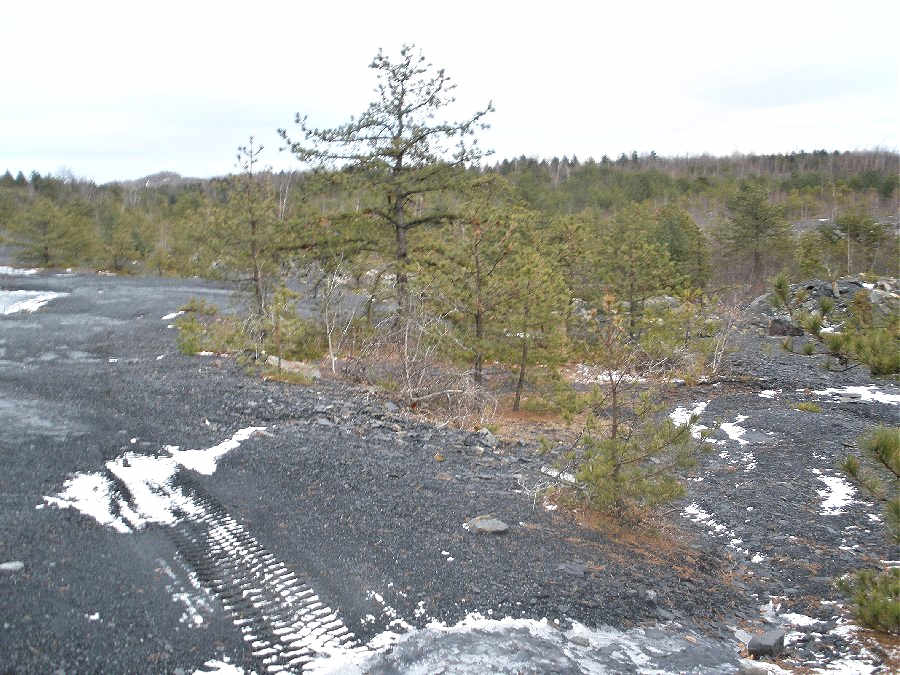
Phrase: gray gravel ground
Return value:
(343, 489)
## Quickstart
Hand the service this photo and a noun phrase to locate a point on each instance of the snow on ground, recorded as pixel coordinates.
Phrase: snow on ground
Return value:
(863, 393)
(861, 662)
(769, 393)
(836, 494)
(735, 432)
(555, 473)
(16, 271)
(149, 480)
(681, 416)
(695, 513)
(169, 317)
(12, 302)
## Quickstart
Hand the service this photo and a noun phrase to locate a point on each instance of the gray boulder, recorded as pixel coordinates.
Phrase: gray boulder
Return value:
(482, 437)
(781, 326)
(487, 525)
(770, 643)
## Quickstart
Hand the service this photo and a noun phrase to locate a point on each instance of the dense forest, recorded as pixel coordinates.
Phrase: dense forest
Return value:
(828, 202)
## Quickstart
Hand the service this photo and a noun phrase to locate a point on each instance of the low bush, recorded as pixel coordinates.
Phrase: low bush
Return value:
(807, 406)
(876, 598)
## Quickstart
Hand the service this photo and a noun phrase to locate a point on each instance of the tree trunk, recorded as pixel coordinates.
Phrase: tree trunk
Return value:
(522, 361)
(479, 354)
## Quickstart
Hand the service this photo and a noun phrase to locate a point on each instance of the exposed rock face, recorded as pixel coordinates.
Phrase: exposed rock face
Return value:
(807, 296)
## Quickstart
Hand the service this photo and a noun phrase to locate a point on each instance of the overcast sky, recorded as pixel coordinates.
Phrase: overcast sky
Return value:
(122, 89)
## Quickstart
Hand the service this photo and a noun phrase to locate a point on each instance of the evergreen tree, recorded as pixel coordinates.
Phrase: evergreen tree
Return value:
(686, 245)
(471, 264)
(407, 159)
(250, 237)
(632, 264)
(534, 329)
(755, 229)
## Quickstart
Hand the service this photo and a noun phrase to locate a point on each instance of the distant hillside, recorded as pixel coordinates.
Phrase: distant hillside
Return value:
(158, 180)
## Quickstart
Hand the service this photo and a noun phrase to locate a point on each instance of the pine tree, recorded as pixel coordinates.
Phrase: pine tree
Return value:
(755, 229)
(406, 158)
(632, 264)
(534, 327)
(471, 262)
(686, 245)
(249, 237)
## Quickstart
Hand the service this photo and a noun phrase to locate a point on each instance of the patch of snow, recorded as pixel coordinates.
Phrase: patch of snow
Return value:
(169, 317)
(681, 416)
(555, 473)
(154, 499)
(863, 393)
(836, 494)
(205, 461)
(216, 667)
(769, 393)
(735, 432)
(90, 494)
(12, 302)
(798, 619)
(16, 271)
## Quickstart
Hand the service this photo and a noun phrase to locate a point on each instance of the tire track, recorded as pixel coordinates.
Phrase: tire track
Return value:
(280, 616)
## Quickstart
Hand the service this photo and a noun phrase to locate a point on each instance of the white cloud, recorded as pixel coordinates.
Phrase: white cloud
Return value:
(116, 89)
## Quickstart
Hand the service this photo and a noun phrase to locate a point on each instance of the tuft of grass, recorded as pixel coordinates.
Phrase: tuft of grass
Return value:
(807, 406)
(287, 377)
(809, 349)
(884, 445)
(876, 598)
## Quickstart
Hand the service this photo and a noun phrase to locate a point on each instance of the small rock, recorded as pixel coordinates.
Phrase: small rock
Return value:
(391, 407)
(487, 525)
(442, 475)
(750, 668)
(482, 437)
(770, 643)
(12, 566)
(438, 457)
(575, 569)
(580, 640)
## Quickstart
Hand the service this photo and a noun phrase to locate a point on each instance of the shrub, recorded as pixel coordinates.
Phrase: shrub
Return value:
(876, 598)
(808, 406)
(199, 306)
(883, 443)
